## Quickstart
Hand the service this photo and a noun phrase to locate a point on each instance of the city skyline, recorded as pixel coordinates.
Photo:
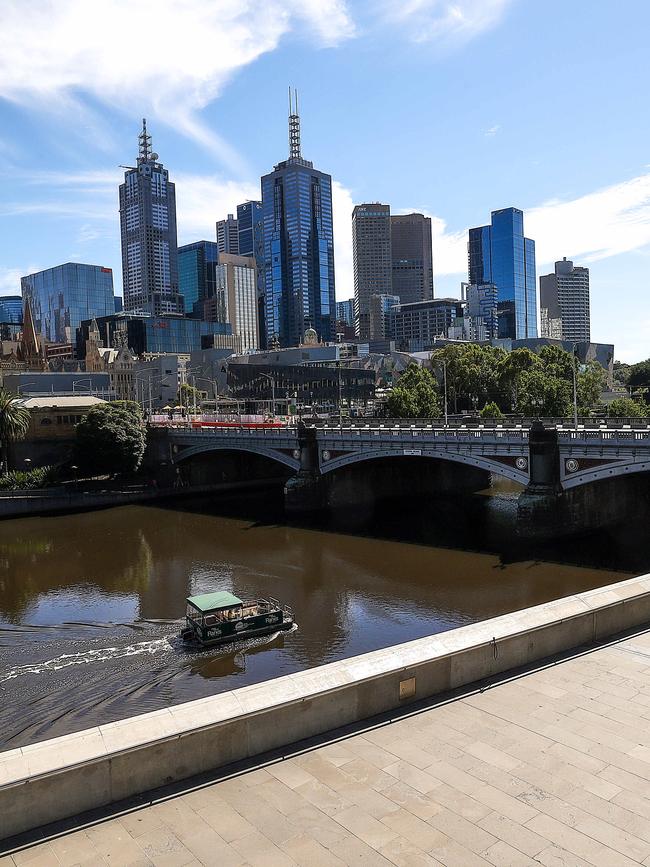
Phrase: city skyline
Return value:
(585, 194)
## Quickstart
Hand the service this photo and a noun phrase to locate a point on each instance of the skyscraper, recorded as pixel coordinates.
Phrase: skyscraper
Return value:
(371, 253)
(298, 246)
(236, 297)
(228, 236)
(500, 254)
(345, 311)
(196, 275)
(412, 259)
(148, 226)
(60, 298)
(250, 224)
(564, 302)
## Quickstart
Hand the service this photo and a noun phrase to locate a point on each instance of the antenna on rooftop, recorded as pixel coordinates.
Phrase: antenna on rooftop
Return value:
(294, 127)
(144, 143)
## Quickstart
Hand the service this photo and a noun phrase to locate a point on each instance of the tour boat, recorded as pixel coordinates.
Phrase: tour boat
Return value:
(216, 618)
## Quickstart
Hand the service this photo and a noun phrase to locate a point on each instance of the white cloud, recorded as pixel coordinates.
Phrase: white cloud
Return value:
(492, 131)
(165, 57)
(10, 279)
(201, 200)
(595, 226)
(449, 21)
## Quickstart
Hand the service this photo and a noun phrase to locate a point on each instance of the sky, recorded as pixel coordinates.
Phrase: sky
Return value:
(453, 108)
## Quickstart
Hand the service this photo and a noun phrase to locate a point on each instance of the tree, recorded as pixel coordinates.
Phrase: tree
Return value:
(189, 396)
(590, 385)
(512, 368)
(414, 396)
(640, 377)
(544, 395)
(491, 410)
(621, 372)
(111, 438)
(14, 423)
(625, 407)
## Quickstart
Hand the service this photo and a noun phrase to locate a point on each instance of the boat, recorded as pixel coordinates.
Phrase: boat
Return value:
(216, 618)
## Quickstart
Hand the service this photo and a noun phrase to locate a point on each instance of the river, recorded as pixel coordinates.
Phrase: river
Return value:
(91, 604)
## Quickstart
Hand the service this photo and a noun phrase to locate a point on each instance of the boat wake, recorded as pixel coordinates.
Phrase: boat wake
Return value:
(159, 645)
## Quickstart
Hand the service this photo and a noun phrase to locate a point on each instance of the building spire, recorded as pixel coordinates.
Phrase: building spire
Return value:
(294, 127)
(144, 143)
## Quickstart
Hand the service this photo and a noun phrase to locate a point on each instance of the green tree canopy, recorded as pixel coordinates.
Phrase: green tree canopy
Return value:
(625, 407)
(640, 375)
(491, 410)
(414, 396)
(590, 384)
(14, 423)
(541, 394)
(111, 438)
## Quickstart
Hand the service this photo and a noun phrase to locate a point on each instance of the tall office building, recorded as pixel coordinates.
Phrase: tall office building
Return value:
(371, 252)
(228, 236)
(500, 254)
(235, 300)
(61, 298)
(298, 246)
(148, 226)
(11, 316)
(196, 275)
(250, 223)
(564, 302)
(412, 258)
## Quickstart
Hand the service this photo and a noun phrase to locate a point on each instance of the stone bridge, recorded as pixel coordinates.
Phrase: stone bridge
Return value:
(583, 455)
(550, 460)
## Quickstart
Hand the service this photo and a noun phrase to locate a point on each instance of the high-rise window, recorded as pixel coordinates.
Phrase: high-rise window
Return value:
(148, 230)
(298, 248)
(499, 254)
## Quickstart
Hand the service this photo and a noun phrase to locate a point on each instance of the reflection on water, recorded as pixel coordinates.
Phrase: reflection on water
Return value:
(91, 605)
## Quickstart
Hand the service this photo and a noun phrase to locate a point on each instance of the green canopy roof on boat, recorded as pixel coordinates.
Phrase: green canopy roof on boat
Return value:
(213, 601)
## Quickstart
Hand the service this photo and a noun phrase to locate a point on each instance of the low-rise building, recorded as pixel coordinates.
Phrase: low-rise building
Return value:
(51, 434)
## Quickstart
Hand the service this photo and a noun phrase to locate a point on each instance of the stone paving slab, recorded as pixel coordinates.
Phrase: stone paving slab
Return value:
(551, 768)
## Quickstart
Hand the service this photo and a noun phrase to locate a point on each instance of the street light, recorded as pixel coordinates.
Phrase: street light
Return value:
(86, 379)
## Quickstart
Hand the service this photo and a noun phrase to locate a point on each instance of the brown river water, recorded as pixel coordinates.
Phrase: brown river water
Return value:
(91, 604)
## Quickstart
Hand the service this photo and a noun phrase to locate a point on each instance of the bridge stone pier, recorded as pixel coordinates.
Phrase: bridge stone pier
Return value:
(573, 479)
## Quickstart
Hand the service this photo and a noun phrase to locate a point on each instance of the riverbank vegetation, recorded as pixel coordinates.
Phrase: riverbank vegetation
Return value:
(488, 381)
(111, 439)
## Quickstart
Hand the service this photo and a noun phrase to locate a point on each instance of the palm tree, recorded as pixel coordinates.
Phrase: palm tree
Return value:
(14, 423)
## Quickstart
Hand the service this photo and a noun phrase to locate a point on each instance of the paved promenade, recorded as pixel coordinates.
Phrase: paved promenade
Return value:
(551, 768)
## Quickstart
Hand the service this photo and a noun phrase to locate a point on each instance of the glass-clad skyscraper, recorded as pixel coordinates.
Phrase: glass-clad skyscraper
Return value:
(501, 255)
(148, 227)
(196, 275)
(298, 247)
(11, 316)
(61, 298)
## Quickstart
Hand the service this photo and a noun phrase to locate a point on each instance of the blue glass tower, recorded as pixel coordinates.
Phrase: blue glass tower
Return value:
(196, 275)
(61, 298)
(499, 254)
(298, 247)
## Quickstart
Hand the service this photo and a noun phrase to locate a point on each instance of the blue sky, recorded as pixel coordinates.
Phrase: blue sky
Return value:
(451, 108)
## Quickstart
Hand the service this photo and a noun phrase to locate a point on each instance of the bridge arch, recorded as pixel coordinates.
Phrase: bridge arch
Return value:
(606, 471)
(205, 448)
(477, 461)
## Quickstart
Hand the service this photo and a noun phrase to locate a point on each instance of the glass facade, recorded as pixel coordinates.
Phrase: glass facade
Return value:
(148, 233)
(345, 312)
(156, 334)
(298, 252)
(236, 297)
(501, 255)
(11, 316)
(61, 298)
(196, 275)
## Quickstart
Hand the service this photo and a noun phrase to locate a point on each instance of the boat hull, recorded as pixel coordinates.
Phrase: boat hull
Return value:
(262, 624)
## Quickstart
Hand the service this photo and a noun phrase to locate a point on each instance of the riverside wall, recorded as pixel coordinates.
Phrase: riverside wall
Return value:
(65, 776)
